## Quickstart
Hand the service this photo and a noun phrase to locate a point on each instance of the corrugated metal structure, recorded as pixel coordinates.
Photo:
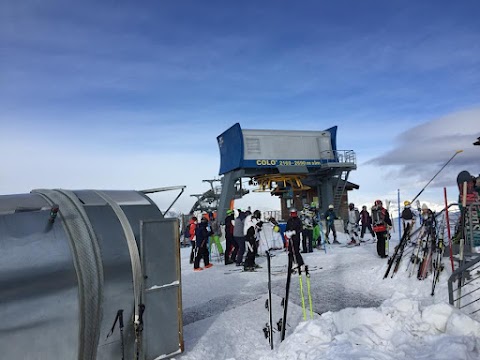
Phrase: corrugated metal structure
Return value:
(71, 261)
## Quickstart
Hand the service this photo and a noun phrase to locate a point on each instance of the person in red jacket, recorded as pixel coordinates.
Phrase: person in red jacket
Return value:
(191, 229)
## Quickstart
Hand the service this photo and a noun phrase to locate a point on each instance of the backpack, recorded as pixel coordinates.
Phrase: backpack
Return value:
(186, 233)
(378, 219)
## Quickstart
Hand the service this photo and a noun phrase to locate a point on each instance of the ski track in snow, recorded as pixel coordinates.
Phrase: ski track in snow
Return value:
(224, 313)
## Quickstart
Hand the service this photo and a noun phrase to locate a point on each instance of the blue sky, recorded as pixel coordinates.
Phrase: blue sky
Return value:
(119, 94)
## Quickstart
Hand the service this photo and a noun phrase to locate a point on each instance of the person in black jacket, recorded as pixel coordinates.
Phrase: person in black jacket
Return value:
(231, 245)
(366, 220)
(202, 233)
(381, 224)
(408, 217)
(292, 232)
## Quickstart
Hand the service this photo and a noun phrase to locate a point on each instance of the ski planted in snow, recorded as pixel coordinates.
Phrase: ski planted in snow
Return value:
(282, 323)
(268, 329)
(398, 253)
(438, 261)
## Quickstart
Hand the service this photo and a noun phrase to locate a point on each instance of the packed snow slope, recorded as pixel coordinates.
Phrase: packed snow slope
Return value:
(358, 315)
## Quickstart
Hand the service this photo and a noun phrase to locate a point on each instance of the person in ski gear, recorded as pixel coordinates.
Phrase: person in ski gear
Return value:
(230, 243)
(429, 221)
(239, 236)
(381, 223)
(215, 238)
(366, 220)
(330, 217)
(408, 217)
(292, 233)
(253, 224)
(352, 225)
(202, 233)
(191, 229)
(308, 221)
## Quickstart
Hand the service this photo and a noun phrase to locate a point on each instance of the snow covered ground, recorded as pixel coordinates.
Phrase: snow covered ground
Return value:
(358, 315)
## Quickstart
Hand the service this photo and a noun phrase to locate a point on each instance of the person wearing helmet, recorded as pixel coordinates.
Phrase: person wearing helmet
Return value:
(308, 220)
(366, 220)
(239, 236)
(408, 217)
(352, 225)
(217, 233)
(381, 222)
(230, 243)
(330, 217)
(293, 232)
(253, 224)
(202, 233)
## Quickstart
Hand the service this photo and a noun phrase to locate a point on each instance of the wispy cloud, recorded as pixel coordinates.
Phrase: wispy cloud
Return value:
(418, 151)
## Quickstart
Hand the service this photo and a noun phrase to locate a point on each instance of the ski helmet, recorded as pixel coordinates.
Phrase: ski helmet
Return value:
(257, 214)
(424, 207)
(406, 203)
(293, 212)
(378, 203)
(330, 206)
(229, 212)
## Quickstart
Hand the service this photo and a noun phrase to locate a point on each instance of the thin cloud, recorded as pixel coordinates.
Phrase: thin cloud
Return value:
(420, 151)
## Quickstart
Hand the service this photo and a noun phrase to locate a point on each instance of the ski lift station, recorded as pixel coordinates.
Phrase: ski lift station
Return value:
(88, 275)
(299, 167)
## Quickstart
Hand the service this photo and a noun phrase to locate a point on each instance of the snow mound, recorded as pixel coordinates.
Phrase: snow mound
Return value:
(399, 329)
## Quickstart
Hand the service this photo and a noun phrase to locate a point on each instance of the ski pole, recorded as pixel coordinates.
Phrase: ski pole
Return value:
(302, 295)
(439, 171)
(307, 274)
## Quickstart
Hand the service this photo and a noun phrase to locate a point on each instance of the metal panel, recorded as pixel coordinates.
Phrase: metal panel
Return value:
(162, 293)
(118, 289)
(285, 145)
(230, 144)
(12, 203)
(39, 295)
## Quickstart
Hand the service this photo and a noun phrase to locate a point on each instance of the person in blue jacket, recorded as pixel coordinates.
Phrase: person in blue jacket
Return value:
(330, 217)
(202, 233)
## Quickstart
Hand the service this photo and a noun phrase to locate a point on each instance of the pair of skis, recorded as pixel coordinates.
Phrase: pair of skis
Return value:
(396, 258)
(282, 323)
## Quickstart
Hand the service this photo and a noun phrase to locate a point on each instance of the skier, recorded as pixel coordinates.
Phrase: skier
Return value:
(429, 221)
(330, 217)
(231, 244)
(191, 229)
(202, 233)
(251, 228)
(408, 217)
(239, 236)
(308, 222)
(293, 232)
(366, 223)
(217, 233)
(352, 225)
(381, 223)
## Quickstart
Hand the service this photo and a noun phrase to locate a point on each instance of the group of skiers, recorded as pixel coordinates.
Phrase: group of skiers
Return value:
(302, 234)
(241, 235)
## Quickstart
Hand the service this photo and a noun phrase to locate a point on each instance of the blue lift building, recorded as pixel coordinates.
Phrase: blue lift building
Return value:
(297, 166)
